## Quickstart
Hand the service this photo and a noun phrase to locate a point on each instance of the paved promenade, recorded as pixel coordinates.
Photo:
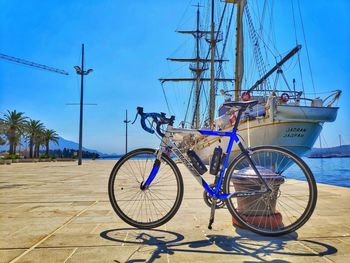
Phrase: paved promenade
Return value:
(59, 212)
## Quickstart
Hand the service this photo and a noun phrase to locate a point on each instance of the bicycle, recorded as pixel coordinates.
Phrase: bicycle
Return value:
(267, 189)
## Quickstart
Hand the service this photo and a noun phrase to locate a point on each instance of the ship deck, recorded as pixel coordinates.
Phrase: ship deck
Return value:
(59, 212)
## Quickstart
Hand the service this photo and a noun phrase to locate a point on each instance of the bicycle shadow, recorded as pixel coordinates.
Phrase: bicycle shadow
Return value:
(246, 243)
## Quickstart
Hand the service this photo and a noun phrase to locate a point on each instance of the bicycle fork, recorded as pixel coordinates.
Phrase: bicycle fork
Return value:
(152, 175)
(154, 171)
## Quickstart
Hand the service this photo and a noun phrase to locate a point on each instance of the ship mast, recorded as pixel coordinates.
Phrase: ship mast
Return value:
(198, 66)
(212, 68)
(198, 71)
(239, 48)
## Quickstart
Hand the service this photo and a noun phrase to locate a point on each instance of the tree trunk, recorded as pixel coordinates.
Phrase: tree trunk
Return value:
(12, 139)
(11, 147)
(36, 151)
(47, 148)
(31, 148)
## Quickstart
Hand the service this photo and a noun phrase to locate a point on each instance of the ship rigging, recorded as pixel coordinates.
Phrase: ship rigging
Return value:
(279, 110)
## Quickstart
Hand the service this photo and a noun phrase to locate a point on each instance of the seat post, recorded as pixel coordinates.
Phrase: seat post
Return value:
(239, 115)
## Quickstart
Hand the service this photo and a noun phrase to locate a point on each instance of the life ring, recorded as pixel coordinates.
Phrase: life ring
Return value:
(233, 119)
(284, 97)
(245, 96)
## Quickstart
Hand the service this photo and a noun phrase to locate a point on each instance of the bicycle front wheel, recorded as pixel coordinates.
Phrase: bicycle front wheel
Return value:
(145, 207)
(283, 210)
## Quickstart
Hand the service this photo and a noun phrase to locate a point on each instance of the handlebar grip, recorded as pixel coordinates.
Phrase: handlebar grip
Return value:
(144, 126)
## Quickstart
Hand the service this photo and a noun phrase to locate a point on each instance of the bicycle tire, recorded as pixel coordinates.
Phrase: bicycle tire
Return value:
(148, 200)
(268, 214)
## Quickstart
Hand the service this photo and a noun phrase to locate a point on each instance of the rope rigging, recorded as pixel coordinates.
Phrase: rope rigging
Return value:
(166, 99)
(206, 57)
(263, 49)
(298, 55)
(306, 46)
(256, 47)
(220, 70)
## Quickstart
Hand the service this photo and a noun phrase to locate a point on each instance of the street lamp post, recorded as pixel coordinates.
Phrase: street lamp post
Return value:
(126, 121)
(82, 73)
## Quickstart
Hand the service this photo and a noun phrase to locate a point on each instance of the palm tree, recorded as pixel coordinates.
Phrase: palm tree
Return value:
(49, 135)
(17, 140)
(34, 129)
(2, 132)
(38, 141)
(13, 123)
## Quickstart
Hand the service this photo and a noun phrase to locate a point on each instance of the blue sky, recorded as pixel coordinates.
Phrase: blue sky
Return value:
(126, 43)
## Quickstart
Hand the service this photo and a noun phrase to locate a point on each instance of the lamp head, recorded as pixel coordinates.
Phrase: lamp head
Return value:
(89, 71)
(77, 69)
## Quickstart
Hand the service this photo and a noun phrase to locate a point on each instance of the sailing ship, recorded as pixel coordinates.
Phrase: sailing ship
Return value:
(284, 117)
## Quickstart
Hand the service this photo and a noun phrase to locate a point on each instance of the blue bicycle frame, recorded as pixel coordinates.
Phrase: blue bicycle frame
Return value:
(233, 138)
(167, 142)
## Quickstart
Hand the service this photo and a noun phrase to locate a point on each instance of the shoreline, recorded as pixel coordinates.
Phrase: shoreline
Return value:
(32, 160)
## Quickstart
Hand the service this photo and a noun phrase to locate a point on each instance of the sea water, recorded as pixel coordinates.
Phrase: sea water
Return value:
(334, 171)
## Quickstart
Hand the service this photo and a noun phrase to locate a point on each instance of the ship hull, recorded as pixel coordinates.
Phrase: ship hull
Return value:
(293, 127)
(306, 113)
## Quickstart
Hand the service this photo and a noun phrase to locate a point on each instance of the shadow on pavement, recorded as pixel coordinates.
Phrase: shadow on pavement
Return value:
(245, 243)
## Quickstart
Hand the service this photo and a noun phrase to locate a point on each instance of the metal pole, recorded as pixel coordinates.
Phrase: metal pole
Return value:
(80, 154)
(212, 69)
(126, 131)
(198, 74)
(126, 121)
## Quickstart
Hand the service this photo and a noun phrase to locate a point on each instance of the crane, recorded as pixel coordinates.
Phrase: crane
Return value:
(32, 64)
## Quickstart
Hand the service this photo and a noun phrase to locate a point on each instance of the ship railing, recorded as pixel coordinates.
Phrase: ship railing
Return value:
(296, 96)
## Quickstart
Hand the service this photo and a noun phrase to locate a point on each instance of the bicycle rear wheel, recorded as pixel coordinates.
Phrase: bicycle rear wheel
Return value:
(150, 207)
(285, 209)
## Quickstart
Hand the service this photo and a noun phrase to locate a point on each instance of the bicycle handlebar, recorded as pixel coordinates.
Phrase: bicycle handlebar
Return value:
(158, 118)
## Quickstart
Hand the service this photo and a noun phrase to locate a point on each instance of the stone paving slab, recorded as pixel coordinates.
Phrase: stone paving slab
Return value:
(59, 212)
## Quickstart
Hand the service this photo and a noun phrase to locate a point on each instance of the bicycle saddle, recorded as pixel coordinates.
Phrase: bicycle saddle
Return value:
(242, 104)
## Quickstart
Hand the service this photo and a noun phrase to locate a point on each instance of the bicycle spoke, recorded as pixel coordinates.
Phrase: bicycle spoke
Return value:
(287, 206)
(150, 206)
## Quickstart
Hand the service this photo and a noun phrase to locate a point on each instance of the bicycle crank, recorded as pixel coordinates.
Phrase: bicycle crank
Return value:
(209, 200)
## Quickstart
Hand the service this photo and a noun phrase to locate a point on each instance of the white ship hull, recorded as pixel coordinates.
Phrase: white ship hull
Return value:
(293, 127)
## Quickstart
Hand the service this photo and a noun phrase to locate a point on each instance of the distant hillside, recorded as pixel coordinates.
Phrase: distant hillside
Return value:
(62, 143)
(339, 151)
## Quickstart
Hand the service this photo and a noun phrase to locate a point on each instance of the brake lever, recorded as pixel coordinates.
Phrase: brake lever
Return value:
(137, 114)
